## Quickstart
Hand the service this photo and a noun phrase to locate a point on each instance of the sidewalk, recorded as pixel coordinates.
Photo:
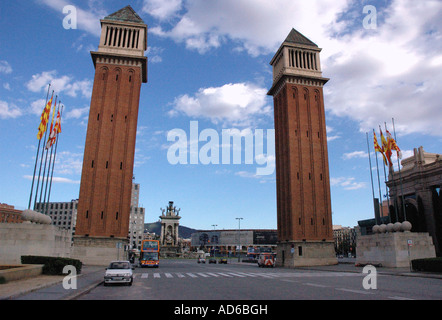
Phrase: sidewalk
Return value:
(348, 265)
(46, 287)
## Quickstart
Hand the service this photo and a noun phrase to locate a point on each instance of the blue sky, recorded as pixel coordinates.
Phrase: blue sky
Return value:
(209, 62)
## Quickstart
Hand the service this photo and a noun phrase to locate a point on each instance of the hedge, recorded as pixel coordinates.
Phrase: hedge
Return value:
(429, 264)
(52, 265)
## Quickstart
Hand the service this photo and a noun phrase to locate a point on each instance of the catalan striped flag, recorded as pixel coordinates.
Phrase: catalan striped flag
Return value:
(44, 119)
(55, 130)
(392, 144)
(386, 148)
(377, 147)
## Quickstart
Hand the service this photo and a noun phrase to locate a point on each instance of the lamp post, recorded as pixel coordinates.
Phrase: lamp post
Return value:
(239, 237)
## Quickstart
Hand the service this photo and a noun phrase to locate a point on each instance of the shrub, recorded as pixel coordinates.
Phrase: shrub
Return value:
(52, 265)
(429, 264)
(2, 280)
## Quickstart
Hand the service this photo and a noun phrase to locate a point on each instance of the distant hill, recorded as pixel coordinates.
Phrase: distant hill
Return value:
(183, 232)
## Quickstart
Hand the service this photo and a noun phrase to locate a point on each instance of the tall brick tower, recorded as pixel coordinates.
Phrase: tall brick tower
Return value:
(106, 181)
(303, 184)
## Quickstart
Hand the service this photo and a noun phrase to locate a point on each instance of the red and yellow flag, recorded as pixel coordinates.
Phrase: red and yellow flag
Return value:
(44, 119)
(392, 144)
(55, 130)
(377, 147)
(386, 148)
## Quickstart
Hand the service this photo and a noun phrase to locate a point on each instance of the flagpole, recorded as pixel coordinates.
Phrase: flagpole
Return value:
(44, 170)
(371, 176)
(55, 154)
(36, 157)
(386, 187)
(50, 157)
(400, 175)
(41, 164)
(379, 182)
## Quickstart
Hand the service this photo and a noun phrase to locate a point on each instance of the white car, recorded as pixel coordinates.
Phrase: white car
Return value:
(119, 272)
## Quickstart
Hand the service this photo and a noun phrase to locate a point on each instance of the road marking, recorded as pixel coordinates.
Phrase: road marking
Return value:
(168, 275)
(144, 276)
(315, 285)
(265, 275)
(248, 274)
(203, 275)
(180, 275)
(192, 275)
(292, 281)
(236, 275)
(213, 274)
(156, 275)
(225, 275)
(354, 291)
(400, 298)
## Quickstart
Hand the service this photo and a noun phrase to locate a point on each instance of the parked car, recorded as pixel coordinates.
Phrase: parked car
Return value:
(201, 260)
(119, 272)
(212, 260)
(222, 260)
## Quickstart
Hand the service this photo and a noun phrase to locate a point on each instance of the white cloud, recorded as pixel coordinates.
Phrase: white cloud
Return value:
(77, 113)
(257, 26)
(69, 163)
(236, 104)
(55, 179)
(60, 84)
(162, 9)
(5, 67)
(8, 110)
(87, 20)
(347, 183)
(154, 54)
(37, 107)
(355, 154)
(393, 71)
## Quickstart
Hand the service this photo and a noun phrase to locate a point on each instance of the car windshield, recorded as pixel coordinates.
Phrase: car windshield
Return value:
(119, 265)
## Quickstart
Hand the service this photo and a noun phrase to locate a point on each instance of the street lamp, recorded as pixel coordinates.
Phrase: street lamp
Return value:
(239, 237)
(214, 226)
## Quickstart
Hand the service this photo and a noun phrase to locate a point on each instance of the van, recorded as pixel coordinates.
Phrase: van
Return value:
(266, 260)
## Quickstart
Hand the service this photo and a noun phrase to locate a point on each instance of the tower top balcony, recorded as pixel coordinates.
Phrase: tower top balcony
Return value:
(298, 57)
(123, 33)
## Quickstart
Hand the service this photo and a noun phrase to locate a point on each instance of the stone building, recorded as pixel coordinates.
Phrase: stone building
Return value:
(417, 188)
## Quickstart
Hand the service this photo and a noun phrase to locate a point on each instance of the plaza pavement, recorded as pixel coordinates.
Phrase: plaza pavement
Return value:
(92, 276)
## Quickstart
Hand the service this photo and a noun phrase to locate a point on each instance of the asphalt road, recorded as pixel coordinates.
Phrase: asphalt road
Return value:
(186, 280)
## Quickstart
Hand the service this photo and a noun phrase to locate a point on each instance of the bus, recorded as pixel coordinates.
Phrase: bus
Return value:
(150, 253)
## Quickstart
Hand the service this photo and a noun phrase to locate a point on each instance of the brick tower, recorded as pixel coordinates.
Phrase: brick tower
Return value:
(106, 181)
(303, 184)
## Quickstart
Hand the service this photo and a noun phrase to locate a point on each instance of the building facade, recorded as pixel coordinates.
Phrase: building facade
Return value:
(232, 242)
(106, 181)
(136, 219)
(9, 214)
(305, 234)
(63, 214)
(345, 240)
(417, 189)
